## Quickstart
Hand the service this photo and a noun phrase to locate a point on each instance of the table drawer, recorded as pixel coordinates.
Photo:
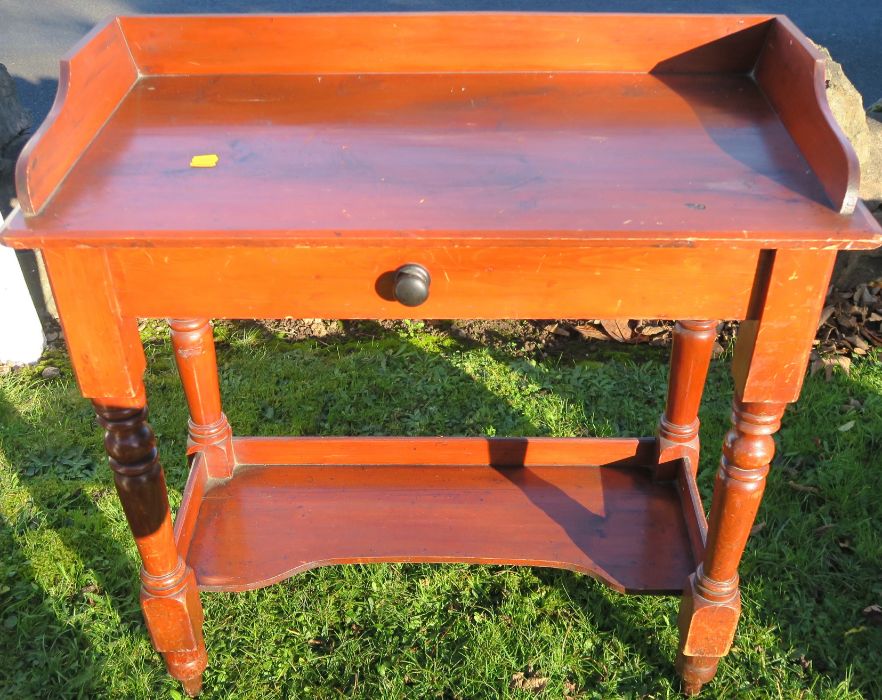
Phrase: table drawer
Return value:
(467, 281)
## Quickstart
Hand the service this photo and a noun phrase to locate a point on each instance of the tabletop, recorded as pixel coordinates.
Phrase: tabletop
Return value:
(697, 132)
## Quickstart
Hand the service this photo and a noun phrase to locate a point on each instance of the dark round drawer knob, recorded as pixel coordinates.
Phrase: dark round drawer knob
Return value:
(412, 284)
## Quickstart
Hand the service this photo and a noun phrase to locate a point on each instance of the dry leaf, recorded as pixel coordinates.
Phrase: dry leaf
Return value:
(845, 427)
(527, 681)
(865, 297)
(590, 332)
(757, 528)
(872, 336)
(844, 320)
(825, 315)
(652, 330)
(618, 329)
(828, 362)
(802, 488)
(824, 528)
(858, 342)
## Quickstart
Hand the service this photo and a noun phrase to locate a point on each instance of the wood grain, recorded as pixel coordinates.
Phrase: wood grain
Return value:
(536, 165)
(443, 451)
(169, 597)
(270, 522)
(691, 351)
(792, 74)
(208, 428)
(711, 604)
(663, 160)
(491, 125)
(95, 77)
(468, 281)
(105, 347)
(773, 346)
(191, 501)
(693, 509)
(429, 42)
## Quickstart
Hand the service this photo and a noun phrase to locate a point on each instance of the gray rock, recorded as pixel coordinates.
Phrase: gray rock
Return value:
(856, 267)
(51, 373)
(865, 134)
(15, 124)
(7, 186)
(15, 121)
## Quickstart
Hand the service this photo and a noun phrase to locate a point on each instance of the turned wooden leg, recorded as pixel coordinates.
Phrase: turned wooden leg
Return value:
(209, 430)
(169, 597)
(712, 602)
(693, 346)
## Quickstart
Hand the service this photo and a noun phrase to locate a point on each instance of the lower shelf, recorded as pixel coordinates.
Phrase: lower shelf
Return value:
(609, 520)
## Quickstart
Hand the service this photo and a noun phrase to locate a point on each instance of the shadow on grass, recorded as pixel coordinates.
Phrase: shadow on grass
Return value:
(88, 582)
(818, 625)
(37, 647)
(41, 651)
(808, 573)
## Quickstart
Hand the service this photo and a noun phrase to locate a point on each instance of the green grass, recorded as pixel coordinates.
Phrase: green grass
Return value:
(69, 619)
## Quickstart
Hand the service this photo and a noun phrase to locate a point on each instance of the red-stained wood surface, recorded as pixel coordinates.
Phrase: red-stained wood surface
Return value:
(711, 604)
(468, 281)
(444, 451)
(791, 72)
(773, 346)
(450, 127)
(691, 352)
(191, 501)
(576, 156)
(451, 42)
(693, 509)
(472, 464)
(106, 350)
(195, 357)
(169, 597)
(539, 165)
(208, 428)
(96, 75)
(615, 523)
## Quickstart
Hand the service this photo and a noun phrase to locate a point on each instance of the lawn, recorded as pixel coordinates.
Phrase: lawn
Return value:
(69, 619)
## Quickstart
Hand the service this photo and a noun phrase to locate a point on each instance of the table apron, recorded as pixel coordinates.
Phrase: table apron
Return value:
(467, 281)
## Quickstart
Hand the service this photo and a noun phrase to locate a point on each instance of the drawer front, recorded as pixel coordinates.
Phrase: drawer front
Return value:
(466, 281)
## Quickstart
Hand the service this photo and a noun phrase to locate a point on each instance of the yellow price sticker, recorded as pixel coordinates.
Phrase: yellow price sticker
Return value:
(209, 160)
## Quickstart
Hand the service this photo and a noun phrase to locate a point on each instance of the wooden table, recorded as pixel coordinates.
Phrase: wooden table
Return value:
(455, 165)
